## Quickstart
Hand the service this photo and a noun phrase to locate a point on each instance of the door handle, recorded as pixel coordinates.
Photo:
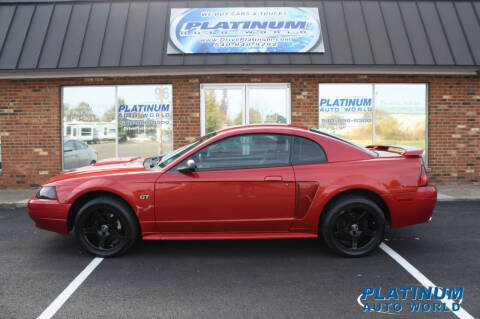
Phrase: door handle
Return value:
(273, 178)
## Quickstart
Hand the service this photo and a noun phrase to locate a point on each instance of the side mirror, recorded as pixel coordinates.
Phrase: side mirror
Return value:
(188, 167)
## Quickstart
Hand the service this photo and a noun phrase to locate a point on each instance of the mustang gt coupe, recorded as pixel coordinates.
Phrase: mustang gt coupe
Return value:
(247, 182)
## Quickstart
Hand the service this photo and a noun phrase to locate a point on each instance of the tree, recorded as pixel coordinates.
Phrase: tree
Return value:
(275, 118)
(254, 116)
(387, 127)
(109, 115)
(82, 112)
(215, 112)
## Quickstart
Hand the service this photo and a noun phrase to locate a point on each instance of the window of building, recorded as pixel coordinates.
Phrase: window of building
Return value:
(245, 151)
(87, 131)
(224, 105)
(116, 121)
(393, 114)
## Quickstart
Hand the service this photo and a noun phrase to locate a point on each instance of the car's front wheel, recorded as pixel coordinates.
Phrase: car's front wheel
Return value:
(105, 227)
(353, 226)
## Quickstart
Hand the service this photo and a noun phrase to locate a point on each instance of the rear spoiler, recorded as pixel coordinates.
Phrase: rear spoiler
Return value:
(407, 151)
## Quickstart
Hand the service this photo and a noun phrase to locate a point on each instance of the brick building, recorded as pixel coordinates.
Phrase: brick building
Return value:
(75, 75)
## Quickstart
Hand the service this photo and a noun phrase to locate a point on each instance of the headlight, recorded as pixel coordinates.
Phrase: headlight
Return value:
(47, 192)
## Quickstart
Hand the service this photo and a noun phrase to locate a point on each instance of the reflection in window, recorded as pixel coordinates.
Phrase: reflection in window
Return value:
(87, 131)
(86, 108)
(144, 120)
(223, 108)
(346, 110)
(92, 116)
(267, 105)
(399, 113)
(226, 105)
(0, 153)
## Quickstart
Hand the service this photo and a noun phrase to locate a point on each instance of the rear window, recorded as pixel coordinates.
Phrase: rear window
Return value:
(306, 151)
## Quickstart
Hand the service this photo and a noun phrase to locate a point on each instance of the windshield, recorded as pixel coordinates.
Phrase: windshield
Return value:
(170, 157)
(343, 140)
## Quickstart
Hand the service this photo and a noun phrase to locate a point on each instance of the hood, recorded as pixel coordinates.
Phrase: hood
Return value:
(105, 167)
(113, 161)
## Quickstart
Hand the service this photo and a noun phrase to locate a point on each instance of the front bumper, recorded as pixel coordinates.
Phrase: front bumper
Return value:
(413, 207)
(49, 214)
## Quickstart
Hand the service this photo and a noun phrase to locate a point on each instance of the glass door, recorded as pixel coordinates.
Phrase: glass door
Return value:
(221, 106)
(268, 104)
(224, 105)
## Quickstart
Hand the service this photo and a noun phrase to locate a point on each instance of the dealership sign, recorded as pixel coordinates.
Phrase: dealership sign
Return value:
(145, 115)
(245, 30)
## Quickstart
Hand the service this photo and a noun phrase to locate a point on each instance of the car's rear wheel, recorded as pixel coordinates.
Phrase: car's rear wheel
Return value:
(353, 226)
(105, 227)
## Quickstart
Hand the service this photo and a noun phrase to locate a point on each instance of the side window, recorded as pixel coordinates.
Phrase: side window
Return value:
(245, 151)
(69, 146)
(80, 145)
(306, 151)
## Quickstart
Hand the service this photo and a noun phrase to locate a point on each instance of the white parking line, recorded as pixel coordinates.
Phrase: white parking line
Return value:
(460, 313)
(67, 292)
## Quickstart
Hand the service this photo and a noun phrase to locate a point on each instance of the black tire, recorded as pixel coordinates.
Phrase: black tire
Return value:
(353, 226)
(106, 227)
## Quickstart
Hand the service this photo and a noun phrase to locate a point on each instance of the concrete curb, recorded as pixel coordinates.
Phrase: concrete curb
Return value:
(20, 204)
(453, 199)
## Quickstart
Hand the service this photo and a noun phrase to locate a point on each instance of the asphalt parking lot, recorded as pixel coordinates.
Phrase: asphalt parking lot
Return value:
(233, 279)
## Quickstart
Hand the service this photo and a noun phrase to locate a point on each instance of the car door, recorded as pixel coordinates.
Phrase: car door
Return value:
(83, 154)
(242, 184)
(70, 158)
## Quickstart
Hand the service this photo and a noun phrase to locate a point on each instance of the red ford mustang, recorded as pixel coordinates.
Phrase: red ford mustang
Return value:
(250, 182)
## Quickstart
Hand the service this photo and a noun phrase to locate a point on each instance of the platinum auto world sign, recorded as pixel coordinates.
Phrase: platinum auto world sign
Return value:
(245, 30)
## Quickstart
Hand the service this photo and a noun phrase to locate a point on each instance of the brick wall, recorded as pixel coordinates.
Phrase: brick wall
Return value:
(30, 123)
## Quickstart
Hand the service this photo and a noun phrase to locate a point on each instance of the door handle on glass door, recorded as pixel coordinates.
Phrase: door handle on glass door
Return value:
(274, 178)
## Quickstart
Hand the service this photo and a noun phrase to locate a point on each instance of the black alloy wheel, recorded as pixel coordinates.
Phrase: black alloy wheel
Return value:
(105, 227)
(353, 226)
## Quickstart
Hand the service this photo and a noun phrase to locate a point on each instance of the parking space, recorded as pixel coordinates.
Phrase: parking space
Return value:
(35, 265)
(234, 279)
(447, 250)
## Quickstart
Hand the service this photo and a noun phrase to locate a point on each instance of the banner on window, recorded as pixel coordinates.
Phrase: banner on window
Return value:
(245, 30)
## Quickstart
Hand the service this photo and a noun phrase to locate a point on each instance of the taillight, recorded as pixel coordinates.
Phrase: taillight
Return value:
(423, 181)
